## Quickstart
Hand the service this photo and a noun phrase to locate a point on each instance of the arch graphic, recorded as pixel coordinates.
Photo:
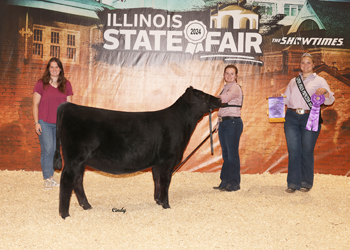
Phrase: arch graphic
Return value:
(308, 25)
(244, 23)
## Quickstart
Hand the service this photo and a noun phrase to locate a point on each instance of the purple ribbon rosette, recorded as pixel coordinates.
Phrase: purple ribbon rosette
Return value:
(312, 122)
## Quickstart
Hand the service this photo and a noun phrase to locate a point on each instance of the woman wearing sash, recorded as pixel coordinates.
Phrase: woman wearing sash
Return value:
(300, 141)
(230, 127)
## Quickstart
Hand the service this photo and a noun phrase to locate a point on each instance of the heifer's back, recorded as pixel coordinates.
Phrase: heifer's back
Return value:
(121, 142)
(124, 142)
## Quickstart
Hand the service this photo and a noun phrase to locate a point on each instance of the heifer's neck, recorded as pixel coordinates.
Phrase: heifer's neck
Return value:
(189, 115)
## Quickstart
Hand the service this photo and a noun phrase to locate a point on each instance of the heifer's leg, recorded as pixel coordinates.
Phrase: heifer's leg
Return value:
(66, 187)
(79, 189)
(165, 178)
(156, 180)
(72, 178)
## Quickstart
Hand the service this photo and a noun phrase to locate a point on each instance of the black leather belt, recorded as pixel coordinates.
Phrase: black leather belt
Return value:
(300, 111)
(221, 119)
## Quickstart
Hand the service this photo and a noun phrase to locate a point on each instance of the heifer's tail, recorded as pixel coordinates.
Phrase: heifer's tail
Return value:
(57, 159)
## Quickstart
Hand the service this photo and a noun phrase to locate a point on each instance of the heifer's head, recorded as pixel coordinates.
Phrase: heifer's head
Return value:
(201, 101)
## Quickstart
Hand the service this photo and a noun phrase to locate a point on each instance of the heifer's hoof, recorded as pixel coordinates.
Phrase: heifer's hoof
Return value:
(86, 206)
(158, 202)
(165, 206)
(64, 215)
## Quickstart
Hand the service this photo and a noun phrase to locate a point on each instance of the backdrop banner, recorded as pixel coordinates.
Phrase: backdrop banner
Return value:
(142, 55)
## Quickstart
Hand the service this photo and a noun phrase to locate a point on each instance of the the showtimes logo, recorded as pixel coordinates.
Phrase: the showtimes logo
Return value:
(313, 41)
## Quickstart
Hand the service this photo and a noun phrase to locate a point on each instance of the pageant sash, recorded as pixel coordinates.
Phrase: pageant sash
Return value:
(303, 91)
(276, 109)
(312, 122)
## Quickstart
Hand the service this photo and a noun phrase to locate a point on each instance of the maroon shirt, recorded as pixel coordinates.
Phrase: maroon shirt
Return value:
(51, 98)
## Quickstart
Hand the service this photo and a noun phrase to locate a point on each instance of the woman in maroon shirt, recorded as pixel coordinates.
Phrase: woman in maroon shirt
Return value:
(49, 92)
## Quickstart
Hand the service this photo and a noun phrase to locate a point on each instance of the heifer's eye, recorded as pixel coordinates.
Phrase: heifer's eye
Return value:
(201, 95)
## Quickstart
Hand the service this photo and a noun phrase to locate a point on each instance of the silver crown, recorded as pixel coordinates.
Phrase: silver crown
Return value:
(306, 54)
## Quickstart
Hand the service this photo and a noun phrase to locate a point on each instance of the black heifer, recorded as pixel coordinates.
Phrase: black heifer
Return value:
(125, 142)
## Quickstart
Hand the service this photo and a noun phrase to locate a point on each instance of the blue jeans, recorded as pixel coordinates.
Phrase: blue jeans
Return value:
(229, 135)
(301, 144)
(48, 146)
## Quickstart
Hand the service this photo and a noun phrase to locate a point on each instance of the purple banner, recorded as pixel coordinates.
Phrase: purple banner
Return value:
(276, 109)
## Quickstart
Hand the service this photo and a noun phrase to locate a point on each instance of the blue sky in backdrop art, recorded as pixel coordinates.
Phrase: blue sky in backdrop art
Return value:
(172, 5)
(175, 5)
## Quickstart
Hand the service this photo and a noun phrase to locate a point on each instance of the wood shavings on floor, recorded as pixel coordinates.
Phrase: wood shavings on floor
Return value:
(259, 216)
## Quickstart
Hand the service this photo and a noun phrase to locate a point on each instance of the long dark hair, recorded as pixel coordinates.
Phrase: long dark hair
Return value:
(61, 81)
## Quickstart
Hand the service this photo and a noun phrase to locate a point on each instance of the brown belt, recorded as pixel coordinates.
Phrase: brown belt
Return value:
(300, 111)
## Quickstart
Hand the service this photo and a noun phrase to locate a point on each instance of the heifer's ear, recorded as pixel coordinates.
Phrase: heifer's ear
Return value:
(189, 89)
(189, 93)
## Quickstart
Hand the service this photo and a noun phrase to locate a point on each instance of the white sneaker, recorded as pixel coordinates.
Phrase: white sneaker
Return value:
(54, 183)
(47, 184)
